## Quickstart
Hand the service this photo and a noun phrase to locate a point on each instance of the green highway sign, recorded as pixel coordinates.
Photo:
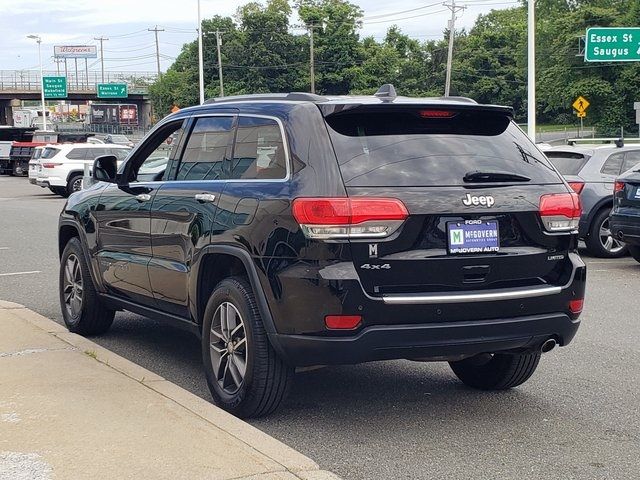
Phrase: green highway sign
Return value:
(619, 44)
(112, 90)
(54, 87)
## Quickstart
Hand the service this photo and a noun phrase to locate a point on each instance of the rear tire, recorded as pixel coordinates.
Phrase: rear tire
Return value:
(74, 184)
(635, 252)
(245, 375)
(500, 371)
(599, 244)
(82, 310)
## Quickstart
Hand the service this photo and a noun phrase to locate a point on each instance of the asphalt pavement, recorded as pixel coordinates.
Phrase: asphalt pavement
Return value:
(577, 418)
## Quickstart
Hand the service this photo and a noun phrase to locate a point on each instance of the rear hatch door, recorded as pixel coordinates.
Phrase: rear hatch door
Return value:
(471, 181)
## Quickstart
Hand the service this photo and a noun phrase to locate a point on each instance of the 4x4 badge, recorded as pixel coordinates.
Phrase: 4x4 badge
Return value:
(484, 200)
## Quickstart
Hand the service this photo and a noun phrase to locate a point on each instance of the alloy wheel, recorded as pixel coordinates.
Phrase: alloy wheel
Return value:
(73, 286)
(609, 243)
(228, 347)
(76, 186)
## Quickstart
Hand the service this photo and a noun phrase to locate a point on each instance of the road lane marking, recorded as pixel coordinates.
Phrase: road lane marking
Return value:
(19, 273)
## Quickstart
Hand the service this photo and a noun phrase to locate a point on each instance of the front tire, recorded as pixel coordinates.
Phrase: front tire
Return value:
(82, 310)
(499, 371)
(245, 375)
(600, 242)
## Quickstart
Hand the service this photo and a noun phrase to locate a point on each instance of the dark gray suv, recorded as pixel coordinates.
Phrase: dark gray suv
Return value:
(591, 171)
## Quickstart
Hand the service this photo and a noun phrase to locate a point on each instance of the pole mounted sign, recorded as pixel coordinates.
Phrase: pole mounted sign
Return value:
(612, 44)
(112, 90)
(75, 51)
(54, 87)
(581, 104)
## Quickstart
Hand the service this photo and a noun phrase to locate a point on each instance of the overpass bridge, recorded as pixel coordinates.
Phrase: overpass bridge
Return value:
(19, 86)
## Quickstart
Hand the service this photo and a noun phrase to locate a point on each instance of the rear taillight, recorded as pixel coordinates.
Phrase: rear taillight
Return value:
(618, 186)
(576, 186)
(560, 212)
(437, 114)
(50, 165)
(342, 218)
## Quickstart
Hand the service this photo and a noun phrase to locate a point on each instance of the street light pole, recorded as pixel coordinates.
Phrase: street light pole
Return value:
(200, 59)
(44, 111)
(531, 70)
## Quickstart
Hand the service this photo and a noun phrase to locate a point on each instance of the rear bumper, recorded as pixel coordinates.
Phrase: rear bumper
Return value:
(426, 326)
(435, 341)
(626, 228)
(51, 182)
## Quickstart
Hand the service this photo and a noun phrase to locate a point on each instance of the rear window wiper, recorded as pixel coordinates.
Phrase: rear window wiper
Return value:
(479, 176)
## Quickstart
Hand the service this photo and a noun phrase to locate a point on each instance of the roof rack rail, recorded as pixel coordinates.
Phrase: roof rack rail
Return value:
(459, 99)
(293, 96)
(619, 142)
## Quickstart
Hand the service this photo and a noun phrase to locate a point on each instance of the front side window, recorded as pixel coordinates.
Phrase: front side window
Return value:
(613, 164)
(259, 151)
(206, 149)
(152, 158)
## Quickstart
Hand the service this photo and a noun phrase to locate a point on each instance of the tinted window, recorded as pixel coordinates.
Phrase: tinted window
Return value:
(631, 159)
(613, 164)
(206, 149)
(259, 150)
(409, 147)
(77, 154)
(49, 152)
(567, 163)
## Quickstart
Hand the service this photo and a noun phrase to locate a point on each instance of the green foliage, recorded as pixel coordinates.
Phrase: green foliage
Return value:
(263, 52)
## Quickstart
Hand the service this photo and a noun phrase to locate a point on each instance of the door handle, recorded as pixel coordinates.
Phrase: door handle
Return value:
(143, 197)
(205, 197)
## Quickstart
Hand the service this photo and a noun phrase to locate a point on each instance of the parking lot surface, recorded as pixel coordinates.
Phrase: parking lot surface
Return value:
(578, 417)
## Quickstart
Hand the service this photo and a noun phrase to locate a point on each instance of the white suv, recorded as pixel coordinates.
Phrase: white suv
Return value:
(61, 166)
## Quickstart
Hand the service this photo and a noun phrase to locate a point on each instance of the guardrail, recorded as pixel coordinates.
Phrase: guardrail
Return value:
(29, 80)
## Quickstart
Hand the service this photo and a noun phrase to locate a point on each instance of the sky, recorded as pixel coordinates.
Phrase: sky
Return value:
(131, 47)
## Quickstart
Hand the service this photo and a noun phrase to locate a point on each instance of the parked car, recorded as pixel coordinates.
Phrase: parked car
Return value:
(296, 230)
(625, 217)
(34, 165)
(591, 170)
(61, 166)
(118, 140)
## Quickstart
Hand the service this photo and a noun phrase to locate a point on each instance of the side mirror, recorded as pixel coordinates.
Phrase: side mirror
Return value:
(105, 168)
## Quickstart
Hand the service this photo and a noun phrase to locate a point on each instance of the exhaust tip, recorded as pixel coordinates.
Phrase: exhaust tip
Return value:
(548, 345)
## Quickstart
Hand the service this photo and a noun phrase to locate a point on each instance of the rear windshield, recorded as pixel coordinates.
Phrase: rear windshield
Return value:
(567, 163)
(409, 147)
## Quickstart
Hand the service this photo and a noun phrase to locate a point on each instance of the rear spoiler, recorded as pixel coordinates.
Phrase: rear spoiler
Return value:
(619, 142)
(331, 108)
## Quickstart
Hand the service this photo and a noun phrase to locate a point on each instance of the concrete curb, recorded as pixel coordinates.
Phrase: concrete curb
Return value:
(297, 465)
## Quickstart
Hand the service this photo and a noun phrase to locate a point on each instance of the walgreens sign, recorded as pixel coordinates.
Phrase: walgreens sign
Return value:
(75, 51)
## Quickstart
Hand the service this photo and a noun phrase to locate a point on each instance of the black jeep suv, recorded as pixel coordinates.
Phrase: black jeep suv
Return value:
(293, 230)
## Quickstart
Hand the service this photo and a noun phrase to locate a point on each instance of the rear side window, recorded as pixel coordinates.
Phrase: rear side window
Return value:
(631, 159)
(120, 153)
(77, 154)
(259, 150)
(568, 163)
(49, 152)
(613, 164)
(206, 149)
(413, 147)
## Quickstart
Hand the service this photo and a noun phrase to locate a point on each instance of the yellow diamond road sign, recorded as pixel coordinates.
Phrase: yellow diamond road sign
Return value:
(581, 104)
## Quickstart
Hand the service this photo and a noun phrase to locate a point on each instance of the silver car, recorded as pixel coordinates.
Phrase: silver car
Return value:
(591, 171)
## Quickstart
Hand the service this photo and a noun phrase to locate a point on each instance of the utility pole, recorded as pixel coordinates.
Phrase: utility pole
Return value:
(452, 26)
(531, 71)
(312, 72)
(200, 59)
(219, 44)
(156, 30)
(101, 39)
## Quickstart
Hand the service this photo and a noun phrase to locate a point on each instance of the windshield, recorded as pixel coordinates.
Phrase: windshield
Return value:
(410, 147)
(568, 163)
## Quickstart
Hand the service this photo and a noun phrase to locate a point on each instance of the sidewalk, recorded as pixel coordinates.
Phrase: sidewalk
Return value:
(70, 409)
